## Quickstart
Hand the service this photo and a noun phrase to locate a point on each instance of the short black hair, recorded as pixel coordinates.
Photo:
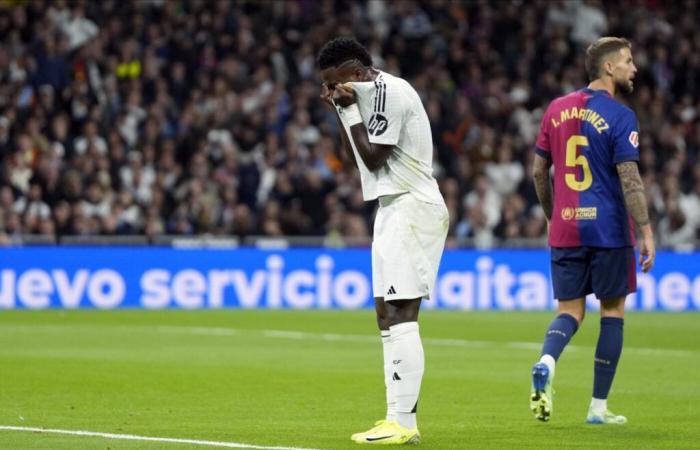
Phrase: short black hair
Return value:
(339, 50)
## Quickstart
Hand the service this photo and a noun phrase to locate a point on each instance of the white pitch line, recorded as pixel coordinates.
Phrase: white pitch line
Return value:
(132, 437)
(445, 342)
(335, 337)
(207, 331)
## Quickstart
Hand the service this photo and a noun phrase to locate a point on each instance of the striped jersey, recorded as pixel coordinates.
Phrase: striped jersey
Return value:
(586, 134)
(394, 115)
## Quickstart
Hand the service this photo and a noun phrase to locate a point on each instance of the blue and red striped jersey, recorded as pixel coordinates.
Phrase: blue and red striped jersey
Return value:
(586, 134)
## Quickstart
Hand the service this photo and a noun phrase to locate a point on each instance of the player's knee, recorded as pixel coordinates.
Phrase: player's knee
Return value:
(383, 321)
(577, 314)
(397, 317)
(382, 314)
(612, 313)
(614, 307)
(402, 311)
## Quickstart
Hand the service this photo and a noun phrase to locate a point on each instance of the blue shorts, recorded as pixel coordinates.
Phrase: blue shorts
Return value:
(606, 272)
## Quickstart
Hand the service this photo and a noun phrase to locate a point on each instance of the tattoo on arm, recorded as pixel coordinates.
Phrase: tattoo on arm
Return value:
(543, 185)
(633, 190)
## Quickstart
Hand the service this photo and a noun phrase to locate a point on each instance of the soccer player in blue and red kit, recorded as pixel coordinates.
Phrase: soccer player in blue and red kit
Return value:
(595, 200)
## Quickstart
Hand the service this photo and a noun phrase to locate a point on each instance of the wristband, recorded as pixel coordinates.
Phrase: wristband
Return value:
(352, 114)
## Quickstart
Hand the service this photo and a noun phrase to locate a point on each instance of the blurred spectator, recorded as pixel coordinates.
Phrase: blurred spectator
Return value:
(675, 230)
(178, 117)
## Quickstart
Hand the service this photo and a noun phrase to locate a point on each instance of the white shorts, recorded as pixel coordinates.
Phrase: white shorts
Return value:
(409, 237)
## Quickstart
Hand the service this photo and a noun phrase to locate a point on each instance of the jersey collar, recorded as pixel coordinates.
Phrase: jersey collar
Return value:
(588, 90)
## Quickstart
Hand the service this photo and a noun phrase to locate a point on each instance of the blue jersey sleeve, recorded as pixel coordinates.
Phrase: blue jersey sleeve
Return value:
(626, 138)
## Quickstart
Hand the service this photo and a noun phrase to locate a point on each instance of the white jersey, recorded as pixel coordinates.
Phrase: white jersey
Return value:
(394, 115)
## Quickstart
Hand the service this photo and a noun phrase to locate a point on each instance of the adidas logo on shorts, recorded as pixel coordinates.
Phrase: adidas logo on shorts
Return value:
(391, 291)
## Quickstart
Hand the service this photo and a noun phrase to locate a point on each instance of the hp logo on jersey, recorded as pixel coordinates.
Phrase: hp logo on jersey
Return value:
(377, 125)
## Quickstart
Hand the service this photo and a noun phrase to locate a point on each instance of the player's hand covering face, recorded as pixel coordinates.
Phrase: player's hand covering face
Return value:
(343, 95)
(335, 81)
(339, 95)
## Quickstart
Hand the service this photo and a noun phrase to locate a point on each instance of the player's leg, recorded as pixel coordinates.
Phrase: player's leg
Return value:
(387, 347)
(408, 360)
(614, 276)
(383, 325)
(378, 279)
(571, 282)
(380, 225)
(386, 430)
(570, 314)
(410, 255)
(607, 355)
(404, 365)
(412, 262)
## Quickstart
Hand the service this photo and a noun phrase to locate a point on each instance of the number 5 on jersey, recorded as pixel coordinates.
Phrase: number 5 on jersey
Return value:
(573, 160)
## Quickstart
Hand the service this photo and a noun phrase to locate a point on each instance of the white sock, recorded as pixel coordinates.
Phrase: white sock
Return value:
(408, 364)
(599, 405)
(387, 344)
(549, 361)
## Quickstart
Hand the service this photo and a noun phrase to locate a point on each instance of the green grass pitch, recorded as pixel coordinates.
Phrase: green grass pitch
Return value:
(312, 378)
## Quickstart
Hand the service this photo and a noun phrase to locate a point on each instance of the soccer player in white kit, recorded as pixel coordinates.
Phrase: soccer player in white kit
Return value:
(385, 131)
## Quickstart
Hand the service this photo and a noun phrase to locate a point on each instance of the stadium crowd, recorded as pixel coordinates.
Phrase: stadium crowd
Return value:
(203, 117)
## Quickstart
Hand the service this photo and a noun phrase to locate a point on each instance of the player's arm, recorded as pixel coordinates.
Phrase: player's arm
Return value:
(543, 184)
(373, 155)
(344, 141)
(635, 199)
(540, 168)
(327, 97)
(625, 157)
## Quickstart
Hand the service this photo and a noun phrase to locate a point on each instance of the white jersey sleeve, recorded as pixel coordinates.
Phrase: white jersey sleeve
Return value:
(394, 115)
(386, 122)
